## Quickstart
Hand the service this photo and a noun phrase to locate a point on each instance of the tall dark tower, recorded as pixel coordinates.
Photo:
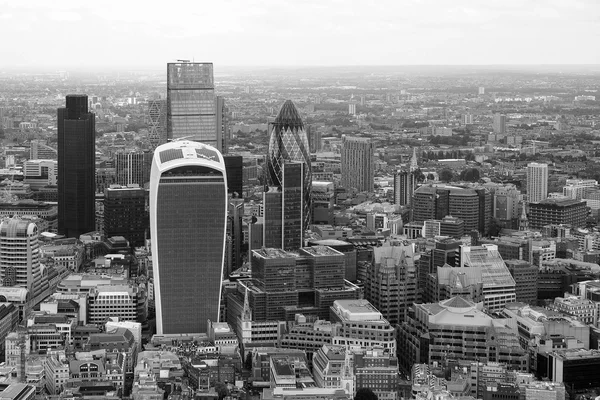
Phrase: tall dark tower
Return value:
(76, 167)
(288, 142)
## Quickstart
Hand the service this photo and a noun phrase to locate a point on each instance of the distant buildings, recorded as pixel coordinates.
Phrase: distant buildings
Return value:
(499, 124)
(357, 163)
(188, 217)
(537, 182)
(76, 167)
(157, 122)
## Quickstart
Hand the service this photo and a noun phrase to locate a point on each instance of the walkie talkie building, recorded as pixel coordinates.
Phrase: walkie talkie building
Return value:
(188, 217)
(288, 142)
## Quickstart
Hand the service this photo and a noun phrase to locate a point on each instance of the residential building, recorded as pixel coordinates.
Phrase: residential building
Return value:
(357, 163)
(537, 182)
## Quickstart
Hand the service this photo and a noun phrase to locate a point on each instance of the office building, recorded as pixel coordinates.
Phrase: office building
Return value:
(132, 168)
(235, 236)
(471, 205)
(125, 214)
(188, 218)
(377, 369)
(39, 150)
(480, 275)
(20, 256)
(361, 325)
(457, 329)
(283, 209)
(506, 206)
(283, 285)
(499, 123)
(126, 302)
(288, 142)
(526, 276)
(192, 107)
(391, 285)
(323, 202)
(557, 212)
(537, 182)
(577, 368)
(404, 187)
(357, 163)
(157, 122)
(223, 127)
(234, 167)
(76, 167)
(40, 173)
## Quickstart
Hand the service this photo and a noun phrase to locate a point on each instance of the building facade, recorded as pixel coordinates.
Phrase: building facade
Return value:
(537, 182)
(357, 163)
(188, 218)
(125, 214)
(288, 142)
(76, 167)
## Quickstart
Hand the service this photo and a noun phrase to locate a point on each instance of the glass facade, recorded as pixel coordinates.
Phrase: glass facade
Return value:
(76, 167)
(191, 107)
(190, 219)
(288, 142)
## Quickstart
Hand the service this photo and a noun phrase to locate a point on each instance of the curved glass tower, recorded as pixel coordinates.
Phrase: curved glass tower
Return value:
(188, 216)
(288, 142)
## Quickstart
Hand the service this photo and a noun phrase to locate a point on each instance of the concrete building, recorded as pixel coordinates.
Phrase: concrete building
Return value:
(404, 186)
(557, 212)
(537, 182)
(357, 163)
(126, 302)
(391, 285)
(525, 276)
(323, 201)
(499, 124)
(458, 329)
(20, 256)
(125, 213)
(362, 325)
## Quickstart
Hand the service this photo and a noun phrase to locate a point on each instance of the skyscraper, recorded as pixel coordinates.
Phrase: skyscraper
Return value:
(191, 102)
(125, 213)
(131, 168)
(283, 209)
(76, 167)
(499, 123)
(157, 122)
(288, 142)
(404, 187)
(20, 256)
(357, 163)
(188, 218)
(537, 182)
(223, 129)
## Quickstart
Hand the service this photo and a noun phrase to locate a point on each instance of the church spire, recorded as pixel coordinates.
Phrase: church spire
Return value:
(413, 161)
(246, 311)
(523, 221)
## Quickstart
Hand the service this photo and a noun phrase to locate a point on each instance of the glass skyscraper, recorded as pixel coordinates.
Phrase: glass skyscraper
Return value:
(188, 218)
(288, 142)
(191, 103)
(76, 167)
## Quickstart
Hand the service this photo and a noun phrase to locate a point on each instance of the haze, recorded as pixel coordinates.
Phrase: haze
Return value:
(138, 34)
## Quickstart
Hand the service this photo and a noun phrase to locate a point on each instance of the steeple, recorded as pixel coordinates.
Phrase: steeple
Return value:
(523, 221)
(413, 161)
(246, 311)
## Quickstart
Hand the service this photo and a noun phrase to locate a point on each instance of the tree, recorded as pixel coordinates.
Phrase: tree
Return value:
(248, 361)
(470, 175)
(221, 390)
(446, 175)
(470, 157)
(365, 394)
(419, 176)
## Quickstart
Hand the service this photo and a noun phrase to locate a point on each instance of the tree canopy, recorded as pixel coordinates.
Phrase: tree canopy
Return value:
(365, 394)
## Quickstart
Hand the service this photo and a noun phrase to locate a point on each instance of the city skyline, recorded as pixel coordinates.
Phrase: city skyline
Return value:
(386, 33)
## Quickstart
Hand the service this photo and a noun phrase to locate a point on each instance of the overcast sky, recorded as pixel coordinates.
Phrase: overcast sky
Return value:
(148, 34)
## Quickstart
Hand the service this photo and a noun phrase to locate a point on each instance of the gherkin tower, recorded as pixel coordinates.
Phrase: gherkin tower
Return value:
(288, 142)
